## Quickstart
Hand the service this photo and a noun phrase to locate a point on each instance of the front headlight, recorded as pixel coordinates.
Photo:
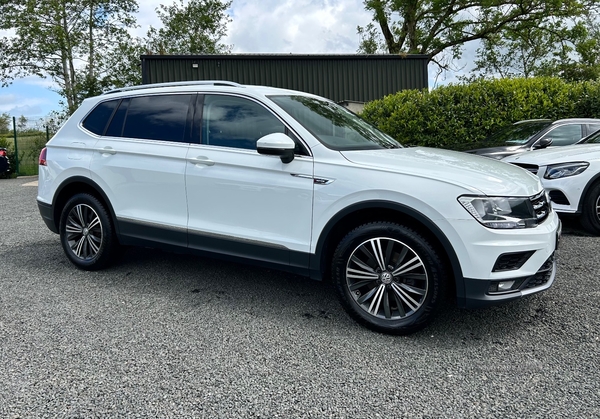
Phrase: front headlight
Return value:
(557, 171)
(501, 212)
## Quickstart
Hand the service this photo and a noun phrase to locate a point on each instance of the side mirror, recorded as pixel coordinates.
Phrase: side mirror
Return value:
(543, 143)
(277, 144)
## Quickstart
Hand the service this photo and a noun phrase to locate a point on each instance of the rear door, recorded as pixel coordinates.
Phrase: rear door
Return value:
(140, 163)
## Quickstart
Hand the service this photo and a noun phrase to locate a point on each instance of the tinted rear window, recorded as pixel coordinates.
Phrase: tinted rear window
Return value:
(97, 119)
(161, 117)
(115, 129)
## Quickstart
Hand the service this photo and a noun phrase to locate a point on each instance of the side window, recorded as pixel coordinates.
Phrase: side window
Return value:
(565, 135)
(593, 128)
(229, 121)
(159, 117)
(594, 139)
(115, 129)
(97, 119)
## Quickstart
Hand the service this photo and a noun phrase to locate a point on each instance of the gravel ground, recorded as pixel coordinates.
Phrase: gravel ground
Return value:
(166, 335)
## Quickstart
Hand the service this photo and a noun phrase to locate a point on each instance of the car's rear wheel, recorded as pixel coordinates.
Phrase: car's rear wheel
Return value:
(388, 277)
(590, 215)
(86, 232)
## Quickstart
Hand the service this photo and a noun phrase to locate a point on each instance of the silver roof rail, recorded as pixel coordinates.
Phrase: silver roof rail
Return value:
(175, 84)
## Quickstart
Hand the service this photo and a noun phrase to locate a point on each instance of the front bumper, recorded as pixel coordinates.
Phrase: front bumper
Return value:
(477, 292)
(484, 292)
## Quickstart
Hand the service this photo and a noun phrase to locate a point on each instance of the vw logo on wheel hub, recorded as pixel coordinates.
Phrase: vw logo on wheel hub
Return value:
(386, 277)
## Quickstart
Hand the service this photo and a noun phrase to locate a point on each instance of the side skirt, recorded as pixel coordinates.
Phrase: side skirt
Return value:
(179, 240)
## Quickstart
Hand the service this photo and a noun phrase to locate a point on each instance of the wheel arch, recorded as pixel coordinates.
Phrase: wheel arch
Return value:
(593, 181)
(360, 213)
(80, 184)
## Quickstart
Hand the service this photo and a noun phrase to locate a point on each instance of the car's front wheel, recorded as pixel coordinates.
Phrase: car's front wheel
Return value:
(388, 277)
(86, 232)
(590, 215)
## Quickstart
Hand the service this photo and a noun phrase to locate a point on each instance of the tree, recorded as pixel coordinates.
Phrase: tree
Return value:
(370, 40)
(570, 52)
(123, 62)
(64, 40)
(5, 123)
(195, 28)
(579, 60)
(22, 122)
(519, 51)
(440, 28)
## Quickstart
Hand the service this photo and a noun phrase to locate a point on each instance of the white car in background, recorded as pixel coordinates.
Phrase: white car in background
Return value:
(571, 175)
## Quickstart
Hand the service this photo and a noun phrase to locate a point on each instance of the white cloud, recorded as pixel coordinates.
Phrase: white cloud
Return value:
(6, 100)
(40, 82)
(282, 26)
(302, 26)
(29, 111)
(29, 97)
(17, 105)
(147, 17)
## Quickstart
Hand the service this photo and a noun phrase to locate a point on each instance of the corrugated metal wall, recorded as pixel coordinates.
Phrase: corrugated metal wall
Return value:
(360, 78)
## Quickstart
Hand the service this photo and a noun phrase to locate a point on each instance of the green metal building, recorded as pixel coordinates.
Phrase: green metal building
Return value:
(341, 78)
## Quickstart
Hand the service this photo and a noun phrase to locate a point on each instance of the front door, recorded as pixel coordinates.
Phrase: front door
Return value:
(242, 203)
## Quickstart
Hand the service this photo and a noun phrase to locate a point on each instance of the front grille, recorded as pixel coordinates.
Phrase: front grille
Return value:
(559, 198)
(541, 206)
(511, 261)
(541, 277)
(530, 167)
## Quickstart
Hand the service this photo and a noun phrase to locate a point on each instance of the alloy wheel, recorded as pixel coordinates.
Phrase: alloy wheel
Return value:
(387, 278)
(84, 231)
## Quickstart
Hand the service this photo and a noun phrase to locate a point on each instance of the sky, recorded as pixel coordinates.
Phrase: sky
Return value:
(258, 26)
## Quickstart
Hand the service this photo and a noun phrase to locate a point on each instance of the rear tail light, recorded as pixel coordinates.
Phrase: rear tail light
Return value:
(2, 153)
(43, 157)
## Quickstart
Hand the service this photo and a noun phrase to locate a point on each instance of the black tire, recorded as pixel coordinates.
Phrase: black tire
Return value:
(86, 233)
(400, 294)
(590, 214)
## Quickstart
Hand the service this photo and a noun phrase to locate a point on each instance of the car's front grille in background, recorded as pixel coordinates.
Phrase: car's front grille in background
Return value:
(541, 206)
(530, 167)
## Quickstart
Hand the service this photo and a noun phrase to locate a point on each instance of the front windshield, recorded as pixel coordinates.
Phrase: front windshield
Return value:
(333, 125)
(515, 135)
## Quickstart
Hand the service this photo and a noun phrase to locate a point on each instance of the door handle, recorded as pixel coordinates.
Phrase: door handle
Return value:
(202, 160)
(107, 150)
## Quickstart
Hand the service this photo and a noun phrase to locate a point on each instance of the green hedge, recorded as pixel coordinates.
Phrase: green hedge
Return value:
(458, 116)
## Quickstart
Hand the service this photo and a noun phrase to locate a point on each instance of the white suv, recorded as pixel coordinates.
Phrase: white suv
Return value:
(571, 175)
(290, 180)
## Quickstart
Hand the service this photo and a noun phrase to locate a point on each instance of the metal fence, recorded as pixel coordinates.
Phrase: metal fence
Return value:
(25, 142)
